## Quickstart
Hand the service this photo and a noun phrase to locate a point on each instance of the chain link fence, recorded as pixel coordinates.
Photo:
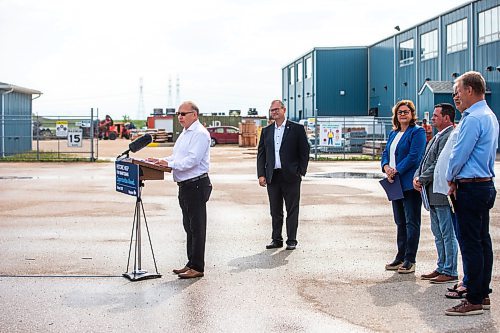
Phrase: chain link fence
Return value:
(49, 138)
(347, 137)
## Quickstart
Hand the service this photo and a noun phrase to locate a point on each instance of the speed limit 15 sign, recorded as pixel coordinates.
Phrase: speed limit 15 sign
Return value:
(75, 137)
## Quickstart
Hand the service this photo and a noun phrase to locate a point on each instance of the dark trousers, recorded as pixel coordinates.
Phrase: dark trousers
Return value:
(193, 199)
(407, 217)
(474, 201)
(278, 190)
(459, 239)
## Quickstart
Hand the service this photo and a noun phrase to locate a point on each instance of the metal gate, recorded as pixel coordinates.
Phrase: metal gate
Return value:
(50, 138)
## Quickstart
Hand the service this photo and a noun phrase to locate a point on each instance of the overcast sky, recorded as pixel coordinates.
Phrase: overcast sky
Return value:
(226, 54)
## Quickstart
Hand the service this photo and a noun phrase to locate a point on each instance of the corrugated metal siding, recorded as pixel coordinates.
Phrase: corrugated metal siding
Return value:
(427, 68)
(405, 74)
(17, 120)
(333, 70)
(308, 91)
(382, 77)
(285, 94)
(299, 92)
(426, 103)
(341, 70)
(488, 55)
(456, 62)
(298, 97)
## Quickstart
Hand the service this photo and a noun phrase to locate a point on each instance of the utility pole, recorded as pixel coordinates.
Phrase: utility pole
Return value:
(169, 102)
(140, 109)
(177, 91)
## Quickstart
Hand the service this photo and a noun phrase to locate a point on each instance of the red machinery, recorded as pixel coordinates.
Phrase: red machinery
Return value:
(107, 129)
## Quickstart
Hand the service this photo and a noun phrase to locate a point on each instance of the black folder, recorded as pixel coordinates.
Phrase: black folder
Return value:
(393, 190)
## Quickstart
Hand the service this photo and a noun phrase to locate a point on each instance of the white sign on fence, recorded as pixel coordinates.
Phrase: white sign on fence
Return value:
(330, 135)
(75, 137)
(61, 129)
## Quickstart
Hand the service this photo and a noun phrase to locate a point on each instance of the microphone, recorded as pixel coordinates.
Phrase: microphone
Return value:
(138, 144)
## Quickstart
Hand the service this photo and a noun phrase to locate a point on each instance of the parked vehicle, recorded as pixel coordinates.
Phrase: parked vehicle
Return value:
(223, 134)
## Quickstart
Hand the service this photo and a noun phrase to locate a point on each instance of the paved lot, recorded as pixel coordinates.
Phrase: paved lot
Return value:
(64, 236)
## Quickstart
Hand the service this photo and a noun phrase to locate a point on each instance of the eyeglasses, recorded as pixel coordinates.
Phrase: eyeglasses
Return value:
(274, 110)
(454, 94)
(401, 112)
(183, 113)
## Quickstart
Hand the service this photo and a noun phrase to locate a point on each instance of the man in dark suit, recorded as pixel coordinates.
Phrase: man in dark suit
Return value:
(282, 159)
(441, 214)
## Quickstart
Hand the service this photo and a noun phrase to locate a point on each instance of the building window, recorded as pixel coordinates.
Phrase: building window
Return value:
(406, 52)
(291, 75)
(309, 69)
(456, 36)
(299, 72)
(489, 25)
(429, 45)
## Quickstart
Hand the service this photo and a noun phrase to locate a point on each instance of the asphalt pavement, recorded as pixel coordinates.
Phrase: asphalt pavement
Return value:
(64, 242)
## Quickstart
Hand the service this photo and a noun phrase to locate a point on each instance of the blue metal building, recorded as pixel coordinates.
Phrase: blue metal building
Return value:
(434, 52)
(330, 80)
(15, 118)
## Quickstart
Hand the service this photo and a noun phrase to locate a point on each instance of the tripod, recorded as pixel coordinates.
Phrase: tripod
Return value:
(138, 273)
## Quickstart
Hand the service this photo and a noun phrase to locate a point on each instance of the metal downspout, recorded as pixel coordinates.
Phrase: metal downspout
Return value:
(3, 120)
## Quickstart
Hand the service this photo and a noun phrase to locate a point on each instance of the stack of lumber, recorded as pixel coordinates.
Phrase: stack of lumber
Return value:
(161, 136)
(374, 146)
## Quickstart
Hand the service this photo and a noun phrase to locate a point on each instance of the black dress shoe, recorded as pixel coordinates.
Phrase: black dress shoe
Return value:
(274, 245)
(291, 247)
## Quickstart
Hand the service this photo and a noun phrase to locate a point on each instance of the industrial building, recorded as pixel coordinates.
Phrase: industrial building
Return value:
(15, 119)
(419, 63)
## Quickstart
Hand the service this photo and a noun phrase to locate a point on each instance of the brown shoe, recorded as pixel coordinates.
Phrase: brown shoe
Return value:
(486, 303)
(182, 270)
(407, 267)
(190, 274)
(443, 278)
(429, 276)
(465, 309)
(393, 266)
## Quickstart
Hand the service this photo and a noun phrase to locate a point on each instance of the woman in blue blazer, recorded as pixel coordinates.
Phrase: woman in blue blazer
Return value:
(403, 152)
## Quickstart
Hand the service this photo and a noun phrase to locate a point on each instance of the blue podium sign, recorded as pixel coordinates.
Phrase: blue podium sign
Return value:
(127, 178)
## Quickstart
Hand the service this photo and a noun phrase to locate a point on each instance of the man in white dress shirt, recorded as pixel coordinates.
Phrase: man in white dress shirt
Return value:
(190, 163)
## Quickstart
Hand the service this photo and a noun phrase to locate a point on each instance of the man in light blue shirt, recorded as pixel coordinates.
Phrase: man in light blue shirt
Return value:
(470, 176)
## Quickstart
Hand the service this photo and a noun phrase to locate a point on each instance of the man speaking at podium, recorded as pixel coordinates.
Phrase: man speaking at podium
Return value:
(190, 162)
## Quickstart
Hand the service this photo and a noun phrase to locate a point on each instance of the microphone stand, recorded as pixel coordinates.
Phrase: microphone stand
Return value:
(124, 154)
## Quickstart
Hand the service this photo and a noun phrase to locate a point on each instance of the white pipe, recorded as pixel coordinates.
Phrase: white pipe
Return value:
(3, 120)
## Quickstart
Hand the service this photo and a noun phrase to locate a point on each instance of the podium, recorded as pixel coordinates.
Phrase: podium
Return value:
(130, 176)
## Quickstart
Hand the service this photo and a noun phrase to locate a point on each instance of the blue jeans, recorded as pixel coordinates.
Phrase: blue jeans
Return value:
(444, 237)
(407, 217)
(474, 201)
